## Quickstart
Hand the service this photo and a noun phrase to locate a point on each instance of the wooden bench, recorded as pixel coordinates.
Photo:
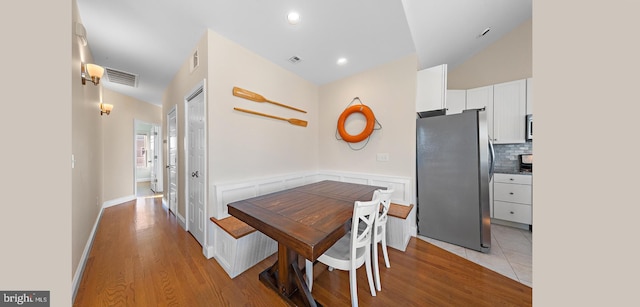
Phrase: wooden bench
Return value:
(398, 226)
(399, 211)
(233, 226)
(239, 246)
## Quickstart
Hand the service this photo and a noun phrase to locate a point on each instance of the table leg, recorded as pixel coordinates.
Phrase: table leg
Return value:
(286, 279)
(286, 257)
(302, 287)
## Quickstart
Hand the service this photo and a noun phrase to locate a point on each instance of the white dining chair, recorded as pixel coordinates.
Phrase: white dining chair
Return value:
(352, 250)
(380, 234)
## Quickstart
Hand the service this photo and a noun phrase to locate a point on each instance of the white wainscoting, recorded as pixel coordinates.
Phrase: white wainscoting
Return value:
(400, 185)
(399, 231)
(226, 193)
(236, 257)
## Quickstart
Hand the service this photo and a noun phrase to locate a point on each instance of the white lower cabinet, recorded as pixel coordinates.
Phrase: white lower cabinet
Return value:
(512, 198)
(513, 212)
(513, 193)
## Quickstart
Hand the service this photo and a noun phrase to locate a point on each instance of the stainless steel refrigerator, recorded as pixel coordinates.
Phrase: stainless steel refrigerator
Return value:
(454, 166)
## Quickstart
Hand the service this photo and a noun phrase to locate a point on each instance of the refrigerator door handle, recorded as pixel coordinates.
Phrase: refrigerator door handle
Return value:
(493, 156)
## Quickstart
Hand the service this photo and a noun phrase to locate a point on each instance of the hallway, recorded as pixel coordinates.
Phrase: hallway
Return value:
(143, 189)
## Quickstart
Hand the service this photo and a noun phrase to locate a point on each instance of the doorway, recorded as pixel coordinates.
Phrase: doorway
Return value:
(172, 160)
(196, 163)
(157, 170)
(147, 159)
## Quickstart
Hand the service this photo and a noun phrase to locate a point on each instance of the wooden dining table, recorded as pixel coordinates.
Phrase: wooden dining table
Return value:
(305, 221)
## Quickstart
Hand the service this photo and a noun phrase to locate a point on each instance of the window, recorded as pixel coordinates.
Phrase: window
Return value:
(141, 151)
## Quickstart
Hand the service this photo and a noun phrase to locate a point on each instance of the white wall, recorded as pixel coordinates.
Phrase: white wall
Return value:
(87, 186)
(118, 137)
(245, 146)
(184, 81)
(37, 122)
(389, 90)
(509, 58)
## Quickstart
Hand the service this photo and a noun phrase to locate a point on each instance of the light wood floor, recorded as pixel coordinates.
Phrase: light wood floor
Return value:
(142, 257)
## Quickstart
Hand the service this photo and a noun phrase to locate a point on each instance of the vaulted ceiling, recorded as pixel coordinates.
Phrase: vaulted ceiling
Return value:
(151, 39)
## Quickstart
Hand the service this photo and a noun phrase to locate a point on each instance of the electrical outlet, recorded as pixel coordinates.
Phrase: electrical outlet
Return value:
(382, 157)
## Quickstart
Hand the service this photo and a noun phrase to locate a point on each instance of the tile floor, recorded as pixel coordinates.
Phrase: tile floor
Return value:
(510, 253)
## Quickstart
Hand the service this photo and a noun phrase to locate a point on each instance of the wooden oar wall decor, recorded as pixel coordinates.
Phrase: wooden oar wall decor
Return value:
(293, 121)
(249, 95)
(246, 94)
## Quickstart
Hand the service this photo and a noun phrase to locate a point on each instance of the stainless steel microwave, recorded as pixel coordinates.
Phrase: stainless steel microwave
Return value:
(529, 127)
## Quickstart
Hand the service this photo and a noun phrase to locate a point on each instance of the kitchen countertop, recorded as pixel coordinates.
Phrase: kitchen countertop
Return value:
(511, 171)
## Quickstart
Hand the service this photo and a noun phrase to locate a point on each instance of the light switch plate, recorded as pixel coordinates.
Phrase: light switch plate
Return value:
(382, 157)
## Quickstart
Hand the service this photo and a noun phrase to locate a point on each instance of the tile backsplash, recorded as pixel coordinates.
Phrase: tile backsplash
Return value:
(507, 155)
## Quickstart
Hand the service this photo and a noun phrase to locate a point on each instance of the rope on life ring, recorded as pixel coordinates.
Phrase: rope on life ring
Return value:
(368, 129)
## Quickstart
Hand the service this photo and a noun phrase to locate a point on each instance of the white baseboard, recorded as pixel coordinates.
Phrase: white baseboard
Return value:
(77, 277)
(209, 251)
(181, 221)
(118, 201)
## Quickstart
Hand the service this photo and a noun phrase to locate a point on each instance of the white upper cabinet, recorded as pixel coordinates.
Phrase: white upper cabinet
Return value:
(482, 97)
(431, 91)
(456, 101)
(529, 96)
(509, 110)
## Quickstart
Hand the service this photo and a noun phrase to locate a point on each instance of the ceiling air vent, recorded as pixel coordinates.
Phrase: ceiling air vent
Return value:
(121, 77)
(294, 59)
(195, 61)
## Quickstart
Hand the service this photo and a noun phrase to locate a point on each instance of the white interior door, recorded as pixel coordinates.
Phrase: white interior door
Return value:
(196, 164)
(156, 166)
(172, 160)
(152, 157)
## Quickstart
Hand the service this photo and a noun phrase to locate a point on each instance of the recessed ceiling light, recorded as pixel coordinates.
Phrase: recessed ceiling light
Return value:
(342, 61)
(293, 18)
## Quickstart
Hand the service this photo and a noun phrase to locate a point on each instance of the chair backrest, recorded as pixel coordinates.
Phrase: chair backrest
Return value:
(385, 203)
(364, 213)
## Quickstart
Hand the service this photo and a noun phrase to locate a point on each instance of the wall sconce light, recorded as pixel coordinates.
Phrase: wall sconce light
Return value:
(91, 72)
(105, 108)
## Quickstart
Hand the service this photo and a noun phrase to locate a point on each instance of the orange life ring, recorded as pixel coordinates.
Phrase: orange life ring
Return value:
(368, 129)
